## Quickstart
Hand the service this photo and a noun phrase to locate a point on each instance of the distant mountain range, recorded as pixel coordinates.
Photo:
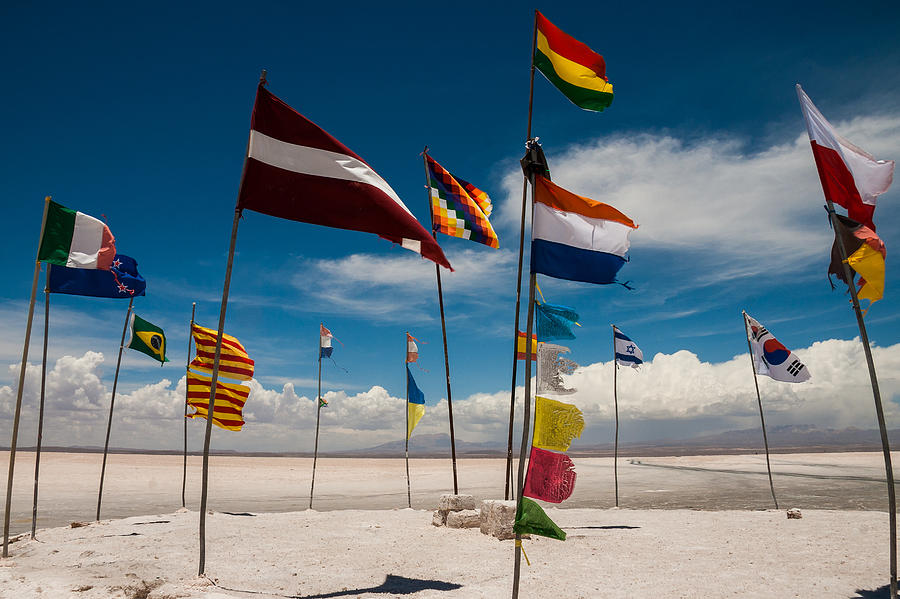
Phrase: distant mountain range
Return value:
(782, 439)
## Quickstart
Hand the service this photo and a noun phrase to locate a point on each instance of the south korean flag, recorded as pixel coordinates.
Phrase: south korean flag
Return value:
(771, 358)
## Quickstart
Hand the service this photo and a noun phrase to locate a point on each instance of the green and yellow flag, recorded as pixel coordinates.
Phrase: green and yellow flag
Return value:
(147, 338)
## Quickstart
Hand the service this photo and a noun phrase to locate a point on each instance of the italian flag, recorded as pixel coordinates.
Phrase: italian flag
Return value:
(576, 70)
(75, 240)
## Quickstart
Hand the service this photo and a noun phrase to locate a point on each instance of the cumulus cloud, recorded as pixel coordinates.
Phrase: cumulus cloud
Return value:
(672, 392)
(711, 193)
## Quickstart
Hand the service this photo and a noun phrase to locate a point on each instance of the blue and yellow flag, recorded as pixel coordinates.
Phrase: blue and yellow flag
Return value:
(415, 404)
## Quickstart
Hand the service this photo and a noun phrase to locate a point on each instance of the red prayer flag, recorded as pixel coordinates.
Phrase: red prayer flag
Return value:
(551, 476)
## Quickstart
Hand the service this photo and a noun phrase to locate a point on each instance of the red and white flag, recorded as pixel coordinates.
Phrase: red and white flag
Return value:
(851, 177)
(297, 171)
(412, 350)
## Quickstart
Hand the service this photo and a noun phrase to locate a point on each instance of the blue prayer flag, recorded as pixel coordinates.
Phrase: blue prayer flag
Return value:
(555, 322)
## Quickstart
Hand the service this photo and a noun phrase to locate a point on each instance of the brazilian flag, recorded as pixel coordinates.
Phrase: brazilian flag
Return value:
(147, 338)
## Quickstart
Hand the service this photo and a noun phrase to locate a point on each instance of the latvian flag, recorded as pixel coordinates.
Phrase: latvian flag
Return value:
(297, 171)
(576, 238)
(851, 177)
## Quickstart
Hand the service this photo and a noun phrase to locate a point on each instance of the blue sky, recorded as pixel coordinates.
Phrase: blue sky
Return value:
(142, 115)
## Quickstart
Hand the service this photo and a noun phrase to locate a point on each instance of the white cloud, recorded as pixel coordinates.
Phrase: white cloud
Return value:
(672, 392)
(710, 194)
(371, 284)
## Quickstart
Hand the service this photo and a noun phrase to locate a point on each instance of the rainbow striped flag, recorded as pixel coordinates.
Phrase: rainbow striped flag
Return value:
(458, 208)
(576, 70)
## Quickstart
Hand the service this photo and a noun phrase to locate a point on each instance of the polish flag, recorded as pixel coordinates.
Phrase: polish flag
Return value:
(851, 177)
(295, 170)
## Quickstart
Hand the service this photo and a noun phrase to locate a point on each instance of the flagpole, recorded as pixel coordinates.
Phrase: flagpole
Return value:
(318, 412)
(215, 372)
(876, 393)
(19, 389)
(437, 270)
(406, 365)
(187, 371)
(40, 431)
(512, 392)
(762, 419)
(616, 404)
(112, 403)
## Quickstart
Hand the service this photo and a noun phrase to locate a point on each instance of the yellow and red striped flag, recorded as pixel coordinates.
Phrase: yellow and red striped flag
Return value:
(234, 362)
(520, 346)
(230, 400)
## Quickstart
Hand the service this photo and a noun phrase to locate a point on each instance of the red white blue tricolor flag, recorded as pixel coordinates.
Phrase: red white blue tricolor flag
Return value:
(771, 358)
(576, 238)
(295, 170)
(325, 338)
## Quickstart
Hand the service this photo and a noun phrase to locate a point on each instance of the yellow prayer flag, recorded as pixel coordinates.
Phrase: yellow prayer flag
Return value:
(555, 424)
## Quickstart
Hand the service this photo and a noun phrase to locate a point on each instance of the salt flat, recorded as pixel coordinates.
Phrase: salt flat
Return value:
(377, 554)
(144, 484)
(716, 535)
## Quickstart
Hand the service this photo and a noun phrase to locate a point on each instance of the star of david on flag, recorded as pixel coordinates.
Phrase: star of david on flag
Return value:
(627, 353)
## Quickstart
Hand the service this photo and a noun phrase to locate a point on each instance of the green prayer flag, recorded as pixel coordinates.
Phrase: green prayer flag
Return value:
(146, 338)
(531, 519)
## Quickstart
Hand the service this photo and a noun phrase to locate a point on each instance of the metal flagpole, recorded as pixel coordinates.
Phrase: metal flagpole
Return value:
(876, 393)
(20, 388)
(512, 393)
(40, 431)
(312, 485)
(215, 371)
(112, 403)
(437, 270)
(406, 365)
(762, 419)
(616, 403)
(187, 372)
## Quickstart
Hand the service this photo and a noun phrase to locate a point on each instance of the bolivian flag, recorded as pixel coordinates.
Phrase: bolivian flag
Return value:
(576, 70)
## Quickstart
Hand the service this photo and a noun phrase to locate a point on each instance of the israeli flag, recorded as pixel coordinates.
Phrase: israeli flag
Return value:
(627, 352)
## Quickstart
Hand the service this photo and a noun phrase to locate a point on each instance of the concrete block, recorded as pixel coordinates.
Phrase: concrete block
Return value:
(497, 518)
(463, 519)
(439, 518)
(455, 503)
